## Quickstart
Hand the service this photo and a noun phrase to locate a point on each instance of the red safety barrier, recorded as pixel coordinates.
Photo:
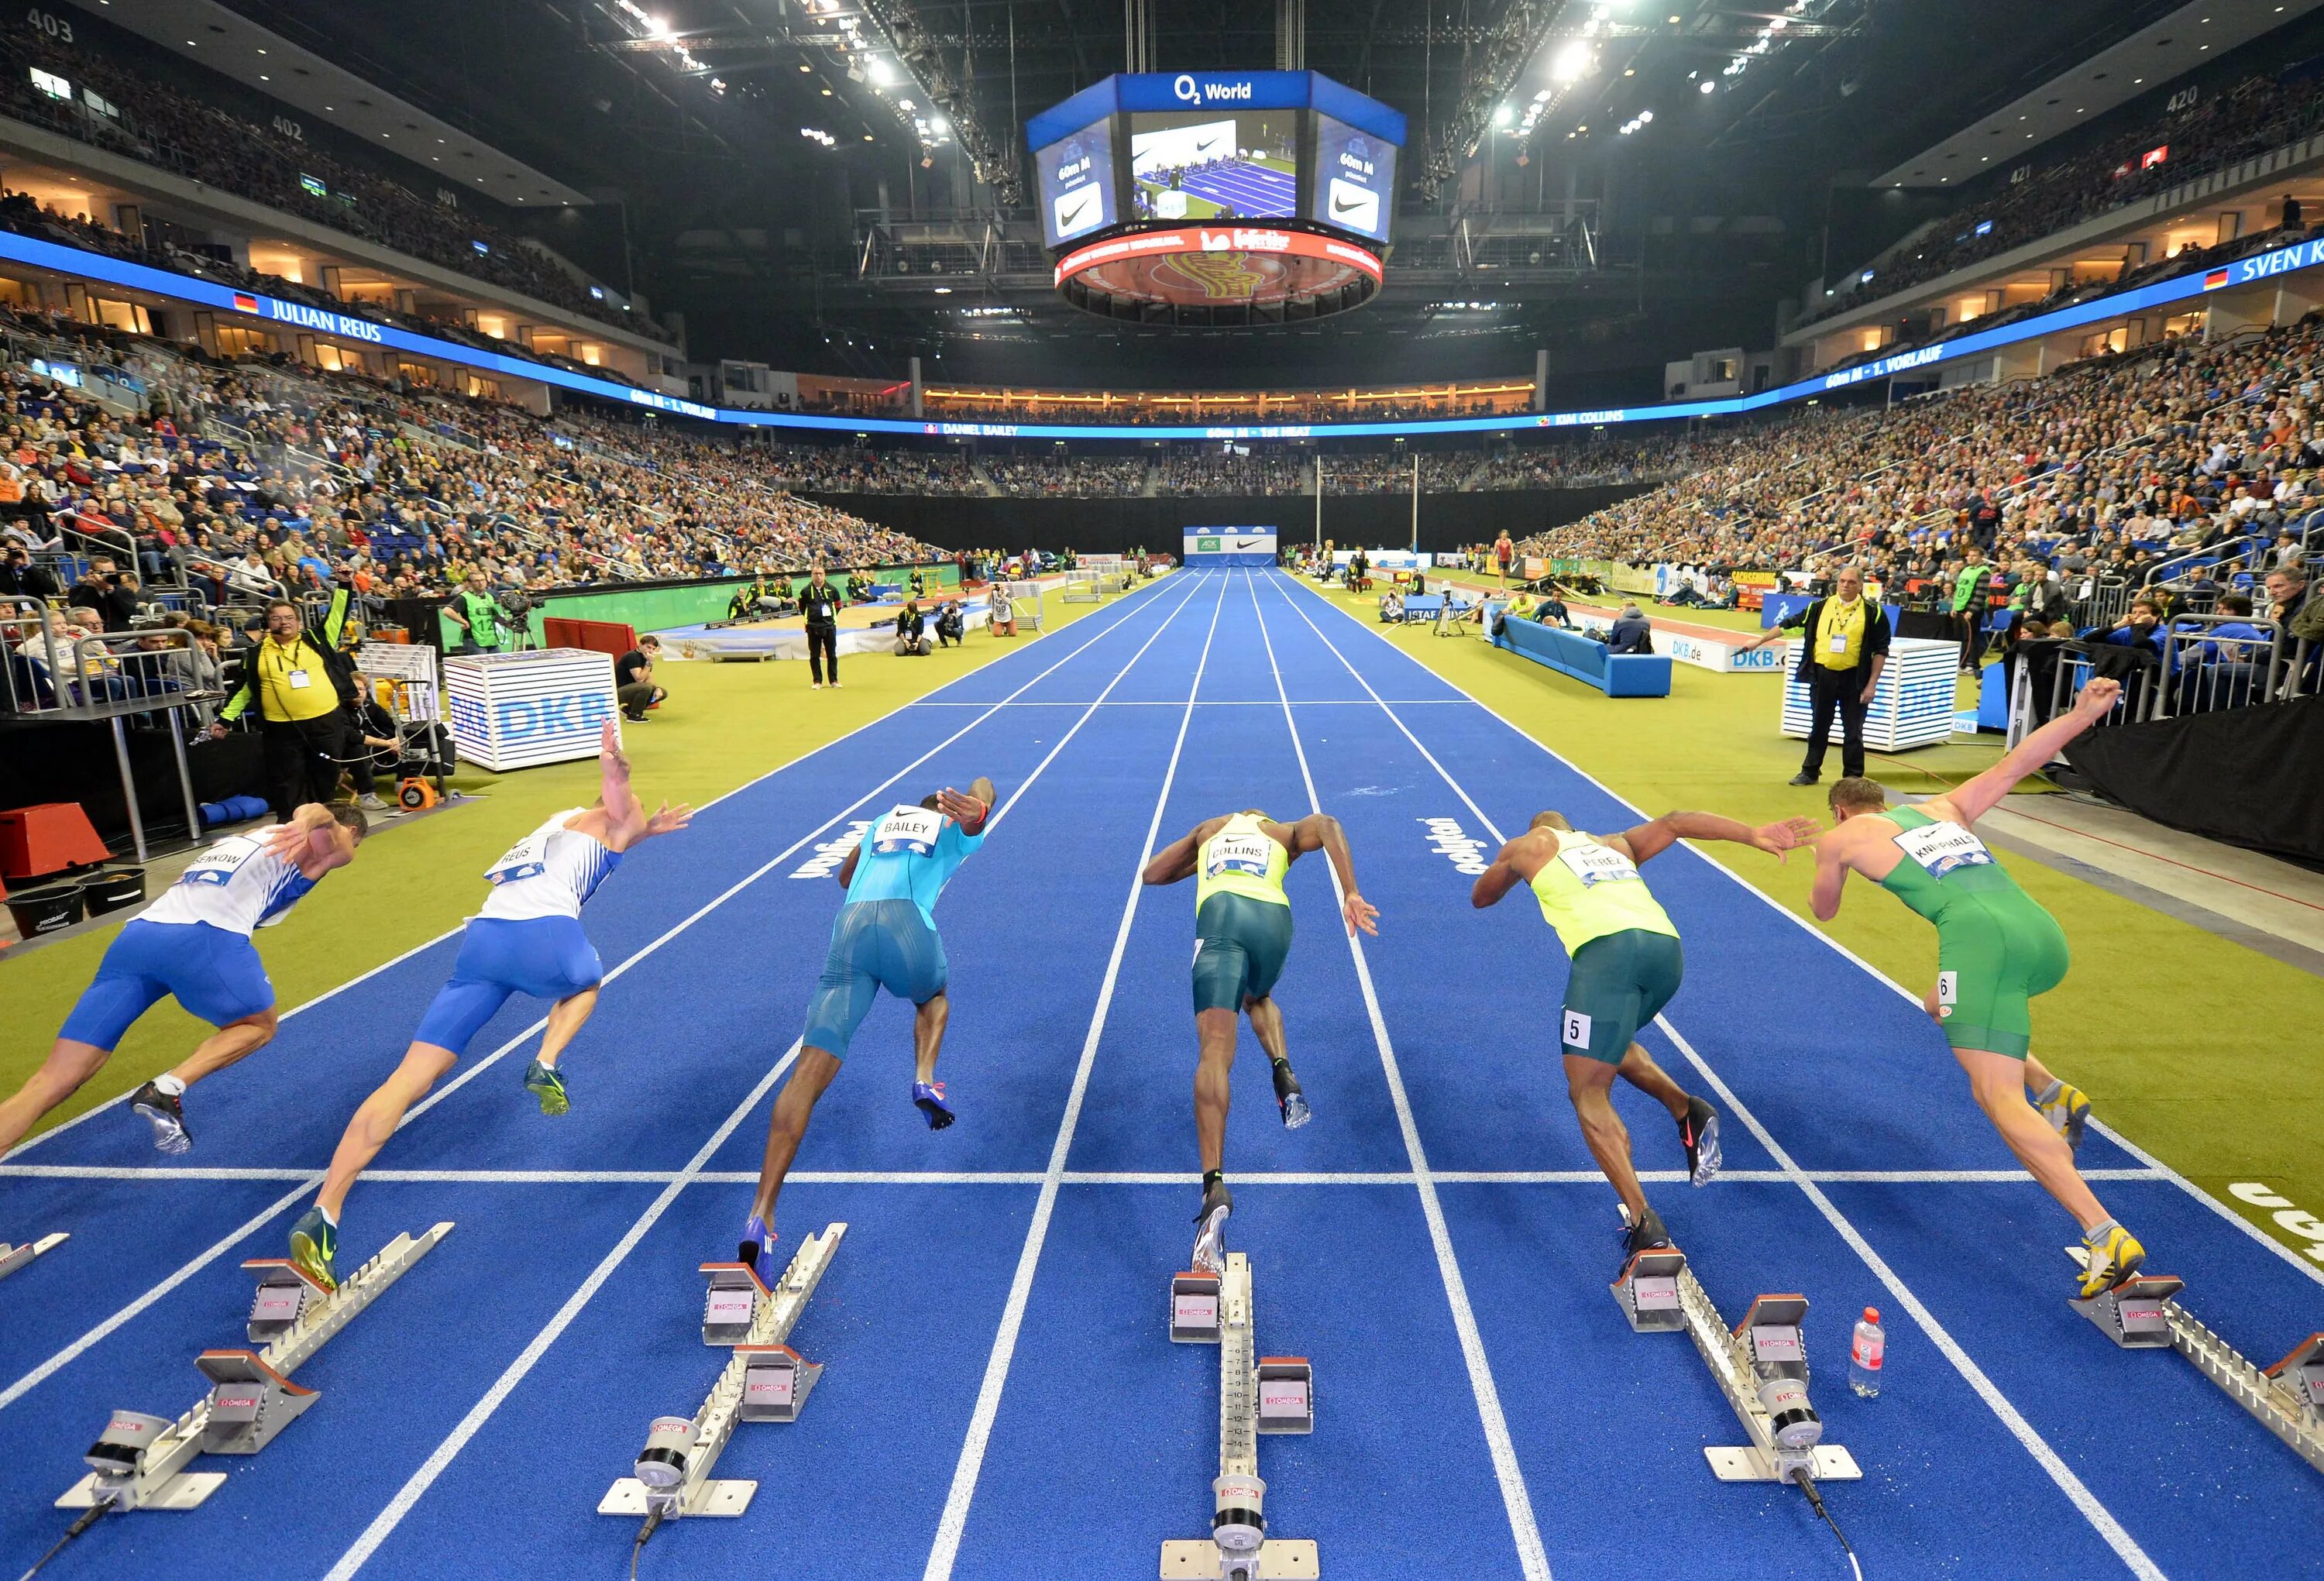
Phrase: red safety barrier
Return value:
(613, 637)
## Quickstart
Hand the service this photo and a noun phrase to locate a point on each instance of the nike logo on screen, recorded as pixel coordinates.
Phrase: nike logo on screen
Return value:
(1072, 216)
(1339, 207)
(1207, 147)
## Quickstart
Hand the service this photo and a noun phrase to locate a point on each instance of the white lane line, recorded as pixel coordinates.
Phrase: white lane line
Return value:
(417, 1485)
(2100, 1517)
(16, 1390)
(2124, 1545)
(1518, 1502)
(954, 1521)
(413, 1490)
(652, 1177)
(250, 1227)
(1911, 995)
(1121, 614)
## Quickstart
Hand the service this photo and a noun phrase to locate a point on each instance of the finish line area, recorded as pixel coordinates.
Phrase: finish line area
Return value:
(1001, 1396)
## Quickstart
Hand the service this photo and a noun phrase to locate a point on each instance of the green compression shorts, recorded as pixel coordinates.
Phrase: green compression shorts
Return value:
(1240, 944)
(1617, 984)
(1994, 952)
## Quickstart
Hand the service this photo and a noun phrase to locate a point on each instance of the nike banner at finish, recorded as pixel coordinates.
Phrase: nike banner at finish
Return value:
(1230, 545)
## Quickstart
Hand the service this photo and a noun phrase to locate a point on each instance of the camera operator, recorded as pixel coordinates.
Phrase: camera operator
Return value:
(19, 576)
(911, 630)
(952, 629)
(476, 614)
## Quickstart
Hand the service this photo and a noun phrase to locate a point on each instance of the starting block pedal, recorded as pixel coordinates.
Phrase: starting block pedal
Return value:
(12, 1258)
(1287, 1394)
(139, 1462)
(764, 1380)
(2143, 1313)
(1194, 1307)
(1647, 1291)
(284, 1295)
(1186, 1559)
(732, 1304)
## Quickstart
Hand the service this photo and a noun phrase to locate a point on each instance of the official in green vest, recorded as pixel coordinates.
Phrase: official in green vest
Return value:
(1626, 966)
(1242, 927)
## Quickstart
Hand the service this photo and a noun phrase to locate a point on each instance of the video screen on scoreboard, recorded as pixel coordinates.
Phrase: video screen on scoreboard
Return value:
(1077, 193)
(1206, 165)
(1355, 179)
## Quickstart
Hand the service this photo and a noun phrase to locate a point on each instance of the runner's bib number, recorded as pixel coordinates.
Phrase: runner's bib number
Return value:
(908, 831)
(222, 861)
(527, 859)
(1597, 864)
(1944, 848)
(1237, 854)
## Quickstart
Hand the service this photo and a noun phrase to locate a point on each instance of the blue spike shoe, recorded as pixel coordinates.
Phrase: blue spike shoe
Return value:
(928, 1098)
(758, 1250)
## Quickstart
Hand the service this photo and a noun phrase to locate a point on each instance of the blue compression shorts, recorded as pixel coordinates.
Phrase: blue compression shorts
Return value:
(875, 944)
(547, 957)
(214, 972)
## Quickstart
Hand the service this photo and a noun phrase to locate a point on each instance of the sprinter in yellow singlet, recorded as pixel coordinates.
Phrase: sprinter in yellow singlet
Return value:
(1242, 927)
(1627, 965)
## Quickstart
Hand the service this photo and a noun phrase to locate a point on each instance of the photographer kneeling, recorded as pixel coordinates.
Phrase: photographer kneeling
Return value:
(633, 679)
(952, 627)
(911, 630)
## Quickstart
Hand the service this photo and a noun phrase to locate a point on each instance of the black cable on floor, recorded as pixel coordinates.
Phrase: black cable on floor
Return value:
(87, 1518)
(1815, 1501)
(638, 1548)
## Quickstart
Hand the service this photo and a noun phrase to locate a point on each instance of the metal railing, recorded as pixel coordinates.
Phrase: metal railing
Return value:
(34, 659)
(2205, 670)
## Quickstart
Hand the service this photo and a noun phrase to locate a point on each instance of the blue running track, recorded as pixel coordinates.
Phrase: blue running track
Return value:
(1002, 1400)
(1256, 191)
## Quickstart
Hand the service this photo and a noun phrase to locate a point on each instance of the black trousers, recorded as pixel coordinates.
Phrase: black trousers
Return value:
(1843, 691)
(302, 759)
(822, 650)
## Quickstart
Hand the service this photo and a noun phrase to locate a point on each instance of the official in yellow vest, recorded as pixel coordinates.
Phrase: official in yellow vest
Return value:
(1841, 661)
(1626, 964)
(1242, 927)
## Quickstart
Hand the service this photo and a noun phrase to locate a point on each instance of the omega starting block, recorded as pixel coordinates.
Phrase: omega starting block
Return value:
(2142, 1313)
(139, 1462)
(1256, 1394)
(763, 1380)
(1760, 1365)
(14, 1257)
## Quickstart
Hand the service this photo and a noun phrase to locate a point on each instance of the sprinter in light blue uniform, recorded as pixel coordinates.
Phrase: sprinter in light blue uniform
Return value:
(884, 937)
(192, 945)
(527, 940)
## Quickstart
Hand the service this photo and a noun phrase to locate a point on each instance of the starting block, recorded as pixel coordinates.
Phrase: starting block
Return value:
(139, 1461)
(1256, 1394)
(763, 1380)
(12, 1258)
(2143, 1313)
(1761, 1365)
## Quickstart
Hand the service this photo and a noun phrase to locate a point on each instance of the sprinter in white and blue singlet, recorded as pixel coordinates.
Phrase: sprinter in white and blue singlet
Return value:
(192, 945)
(884, 937)
(1626, 963)
(527, 940)
(1242, 927)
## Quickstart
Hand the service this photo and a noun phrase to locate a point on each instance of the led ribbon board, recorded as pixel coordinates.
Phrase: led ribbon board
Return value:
(83, 264)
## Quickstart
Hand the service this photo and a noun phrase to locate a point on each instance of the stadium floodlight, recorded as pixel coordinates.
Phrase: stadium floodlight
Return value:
(1709, 85)
(1573, 62)
(1504, 115)
(883, 73)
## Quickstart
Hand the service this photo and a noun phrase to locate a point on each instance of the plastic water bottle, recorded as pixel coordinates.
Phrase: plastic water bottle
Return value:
(1865, 1353)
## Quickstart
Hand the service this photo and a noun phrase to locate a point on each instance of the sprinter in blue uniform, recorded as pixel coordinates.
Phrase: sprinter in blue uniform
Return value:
(884, 937)
(192, 945)
(527, 940)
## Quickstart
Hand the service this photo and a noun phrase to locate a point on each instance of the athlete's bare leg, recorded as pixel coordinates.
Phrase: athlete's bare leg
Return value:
(424, 1065)
(1267, 1022)
(1589, 1083)
(2038, 1076)
(70, 1064)
(1998, 1086)
(788, 1124)
(1639, 1069)
(566, 1019)
(1216, 1031)
(928, 1024)
(235, 1041)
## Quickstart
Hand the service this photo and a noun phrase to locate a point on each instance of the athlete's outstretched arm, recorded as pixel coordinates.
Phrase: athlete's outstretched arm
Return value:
(1977, 797)
(1322, 831)
(1831, 873)
(1651, 840)
(1498, 879)
(969, 811)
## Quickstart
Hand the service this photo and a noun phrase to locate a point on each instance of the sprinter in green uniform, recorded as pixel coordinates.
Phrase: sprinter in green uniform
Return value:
(1242, 927)
(1997, 949)
(1627, 965)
